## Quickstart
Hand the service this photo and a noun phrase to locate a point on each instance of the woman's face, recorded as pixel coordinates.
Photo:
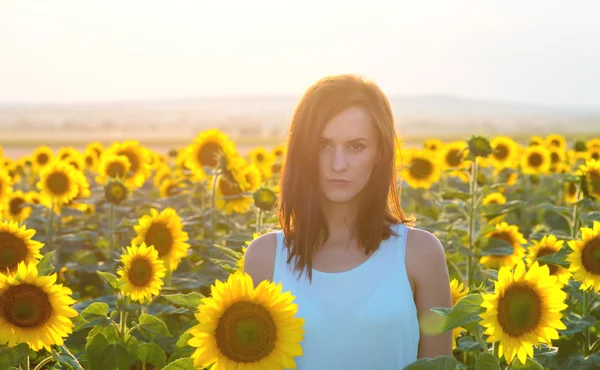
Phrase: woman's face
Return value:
(348, 152)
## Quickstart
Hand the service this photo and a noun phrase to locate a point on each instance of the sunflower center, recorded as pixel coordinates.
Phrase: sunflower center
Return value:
(260, 157)
(421, 168)
(208, 154)
(89, 161)
(572, 191)
(16, 205)
(595, 155)
(504, 236)
(452, 158)
(117, 191)
(140, 272)
(276, 168)
(590, 256)
(594, 182)
(535, 160)
(501, 152)
(519, 310)
(229, 186)
(58, 183)
(133, 160)
(555, 142)
(25, 306)
(42, 158)
(554, 158)
(544, 252)
(160, 237)
(279, 153)
(115, 169)
(12, 251)
(246, 332)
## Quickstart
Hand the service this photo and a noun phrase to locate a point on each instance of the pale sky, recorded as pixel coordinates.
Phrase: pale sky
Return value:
(545, 51)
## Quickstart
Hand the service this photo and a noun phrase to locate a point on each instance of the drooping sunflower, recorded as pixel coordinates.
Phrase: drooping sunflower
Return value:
(206, 151)
(142, 273)
(112, 166)
(14, 206)
(163, 231)
(422, 171)
(570, 191)
(591, 174)
(556, 141)
(458, 291)
(511, 235)
(505, 152)
(34, 309)
(585, 258)
(61, 182)
(234, 188)
(548, 245)
(42, 155)
(245, 327)
(138, 158)
(535, 160)
(17, 246)
(524, 310)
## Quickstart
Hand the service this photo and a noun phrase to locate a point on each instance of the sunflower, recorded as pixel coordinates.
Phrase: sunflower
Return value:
(536, 141)
(555, 141)
(535, 160)
(511, 235)
(34, 309)
(593, 143)
(67, 152)
(433, 144)
(61, 182)
(162, 173)
(5, 184)
(96, 147)
(585, 258)
(263, 160)
(524, 310)
(548, 245)
(494, 198)
(591, 173)
(142, 273)
(164, 231)
(593, 153)
(42, 155)
(17, 246)
(422, 170)
(505, 151)
(570, 191)
(206, 151)
(170, 187)
(264, 198)
(14, 206)
(91, 160)
(458, 291)
(557, 159)
(234, 187)
(138, 158)
(279, 151)
(112, 166)
(115, 191)
(245, 327)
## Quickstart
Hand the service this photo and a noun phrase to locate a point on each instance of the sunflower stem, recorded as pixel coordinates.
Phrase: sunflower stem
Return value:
(496, 349)
(168, 274)
(40, 366)
(111, 227)
(259, 220)
(66, 350)
(25, 364)
(214, 208)
(586, 343)
(575, 216)
(50, 237)
(473, 190)
(123, 324)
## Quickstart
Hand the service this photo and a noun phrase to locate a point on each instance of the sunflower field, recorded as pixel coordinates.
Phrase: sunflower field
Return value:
(120, 257)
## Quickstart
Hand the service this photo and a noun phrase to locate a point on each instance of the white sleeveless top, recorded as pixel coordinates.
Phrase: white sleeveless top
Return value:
(363, 318)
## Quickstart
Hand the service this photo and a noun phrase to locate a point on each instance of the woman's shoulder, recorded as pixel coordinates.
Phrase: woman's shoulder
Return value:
(260, 257)
(424, 252)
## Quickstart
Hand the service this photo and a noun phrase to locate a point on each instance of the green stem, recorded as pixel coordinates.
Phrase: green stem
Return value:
(40, 366)
(575, 217)
(586, 344)
(66, 350)
(50, 237)
(123, 324)
(496, 349)
(214, 209)
(111, 226)
(259, 220)
(481, 341)
(455, 268)
(472, 191)
(168, 274)
(25, 364)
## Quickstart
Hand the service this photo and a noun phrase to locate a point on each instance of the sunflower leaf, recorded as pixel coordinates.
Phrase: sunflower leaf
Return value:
(487, 361)
(528, 365)
(45, 266)
(190, 301)
(181, 364)
(153, 327)
(13, 356)
(466, 311)
(151, 353)
(558, 258)
(438, 363)
(579, 325)
(111, 279)
(115, 356)
(468, 344)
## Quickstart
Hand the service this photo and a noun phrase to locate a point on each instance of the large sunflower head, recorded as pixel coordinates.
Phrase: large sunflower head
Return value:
(556, 141)
(585, 258)
(34, 309)
(511, 235)
(243, 326)
(137, 155)
(14, 206)
(421, 170)
(535, 160)
(163, 231)
(17, 246)
(61, 182)
(505, 151)
(524, 310)
(548, 245)
(142, 273)
(454, 155)
(207, 150)
(591, 176)
(41, 157)
(112, 166)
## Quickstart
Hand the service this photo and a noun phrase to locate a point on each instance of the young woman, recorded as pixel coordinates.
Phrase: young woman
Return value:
(363, 278)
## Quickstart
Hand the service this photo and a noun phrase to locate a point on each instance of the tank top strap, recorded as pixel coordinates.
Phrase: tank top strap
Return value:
(280, 267)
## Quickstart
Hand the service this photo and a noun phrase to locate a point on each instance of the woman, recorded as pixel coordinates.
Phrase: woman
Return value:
(364, 281)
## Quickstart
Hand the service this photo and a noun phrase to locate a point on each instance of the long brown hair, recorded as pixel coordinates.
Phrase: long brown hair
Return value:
(300, 216)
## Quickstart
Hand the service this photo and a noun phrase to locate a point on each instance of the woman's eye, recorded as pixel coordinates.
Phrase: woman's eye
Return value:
(357, 146)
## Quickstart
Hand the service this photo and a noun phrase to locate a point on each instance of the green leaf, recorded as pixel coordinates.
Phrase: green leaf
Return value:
(181, 364)
(229, 252)
(111, 279)
(151, 353)
(579, 325)
(153, 327)
(468, 344)
(487, 361)
(455, 194)
(555, 208)
(191, 301)
(466, 311)
(182, 341)
(94, 349)
(558, 258)
(45, 266)
(65, 358)
(95, 309)
(13, 356)
(438, 363)
(528, 365)
(495, 247)
(115, 356)
(93, 315)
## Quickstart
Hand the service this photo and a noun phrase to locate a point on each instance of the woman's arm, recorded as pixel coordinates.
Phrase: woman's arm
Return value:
(427, 269)
(260, 258)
